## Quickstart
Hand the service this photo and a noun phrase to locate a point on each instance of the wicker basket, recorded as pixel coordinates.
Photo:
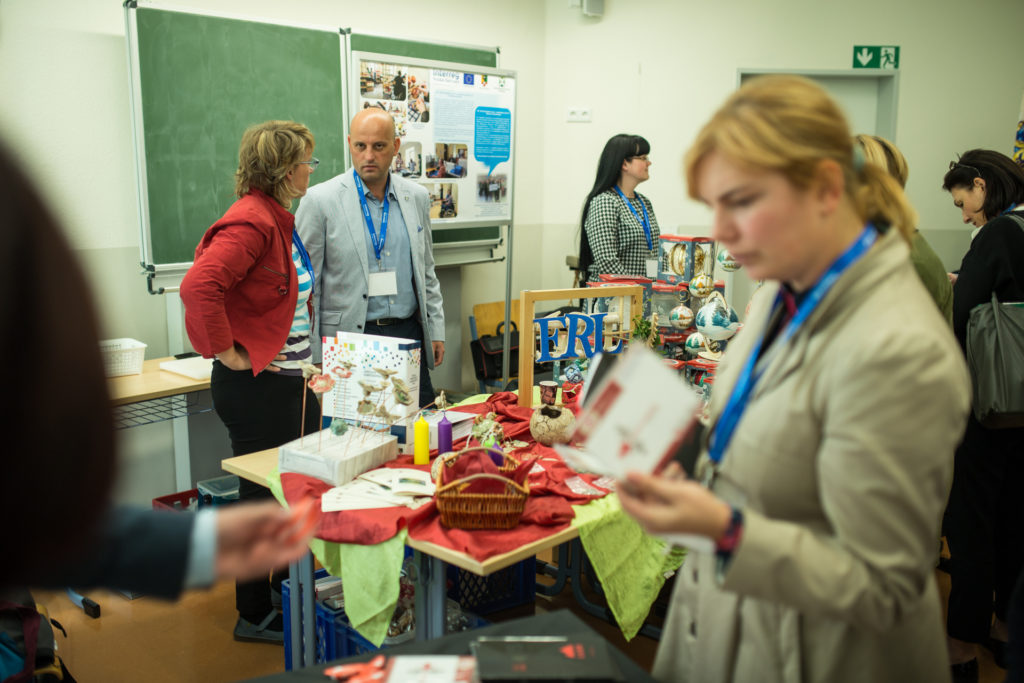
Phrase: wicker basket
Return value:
(460, 510)
(122, 356)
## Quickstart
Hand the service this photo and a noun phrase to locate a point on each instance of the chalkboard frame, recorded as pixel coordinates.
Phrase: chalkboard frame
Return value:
(470, 58)
(165, 248)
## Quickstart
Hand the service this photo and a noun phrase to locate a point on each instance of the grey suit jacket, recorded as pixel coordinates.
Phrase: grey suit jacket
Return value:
(330, 222)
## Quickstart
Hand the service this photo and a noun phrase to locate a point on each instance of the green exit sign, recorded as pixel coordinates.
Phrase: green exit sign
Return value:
(876, 56)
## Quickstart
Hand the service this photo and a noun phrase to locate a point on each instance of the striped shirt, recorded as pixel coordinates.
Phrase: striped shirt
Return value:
(296, 348)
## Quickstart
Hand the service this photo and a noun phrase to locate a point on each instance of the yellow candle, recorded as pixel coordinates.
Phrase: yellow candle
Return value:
(421, 442)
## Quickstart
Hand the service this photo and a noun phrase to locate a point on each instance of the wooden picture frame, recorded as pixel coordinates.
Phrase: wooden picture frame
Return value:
(527, 308)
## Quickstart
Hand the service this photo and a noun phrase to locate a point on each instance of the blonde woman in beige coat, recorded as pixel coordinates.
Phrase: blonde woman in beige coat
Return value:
(834, 419)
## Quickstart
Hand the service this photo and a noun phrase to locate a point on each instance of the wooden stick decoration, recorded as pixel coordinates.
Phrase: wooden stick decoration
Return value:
(320, 383)
(308, 370)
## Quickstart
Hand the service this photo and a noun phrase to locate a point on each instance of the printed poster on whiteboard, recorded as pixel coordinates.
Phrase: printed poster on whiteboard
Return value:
(456, 129)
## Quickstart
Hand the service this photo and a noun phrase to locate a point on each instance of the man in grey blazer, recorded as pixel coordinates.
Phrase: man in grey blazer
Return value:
(373, 265)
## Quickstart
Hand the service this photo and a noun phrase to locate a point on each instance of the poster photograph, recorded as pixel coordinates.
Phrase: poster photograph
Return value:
(456, 130)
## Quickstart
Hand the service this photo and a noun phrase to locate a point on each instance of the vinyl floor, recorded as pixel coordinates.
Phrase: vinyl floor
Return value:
(146, 639)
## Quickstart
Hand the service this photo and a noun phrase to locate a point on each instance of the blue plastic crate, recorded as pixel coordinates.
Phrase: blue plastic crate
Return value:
(286, 606)
(509, 587)
(336, 638)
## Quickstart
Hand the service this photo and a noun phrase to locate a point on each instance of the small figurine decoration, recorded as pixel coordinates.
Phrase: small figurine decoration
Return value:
(320, 383)
(573, 372)
(487, 430)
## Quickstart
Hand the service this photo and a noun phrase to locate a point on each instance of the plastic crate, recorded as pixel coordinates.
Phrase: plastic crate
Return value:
(509, 587)
(219, 490)
(335, 636)
(122, 356)
(183, 500)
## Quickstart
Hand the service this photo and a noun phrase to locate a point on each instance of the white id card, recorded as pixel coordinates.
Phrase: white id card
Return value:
(383, 283)
(652, 268)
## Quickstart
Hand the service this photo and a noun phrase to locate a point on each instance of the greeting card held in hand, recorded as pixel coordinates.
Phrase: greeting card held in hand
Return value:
(635, 418)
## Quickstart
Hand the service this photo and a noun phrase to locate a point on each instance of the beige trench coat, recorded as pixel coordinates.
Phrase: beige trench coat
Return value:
(842, 464)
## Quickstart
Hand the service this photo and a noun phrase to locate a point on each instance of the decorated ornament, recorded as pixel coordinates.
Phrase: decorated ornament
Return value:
(694, 343)
(716, 322)
(726, 261)
(681, 317)
(702, 285)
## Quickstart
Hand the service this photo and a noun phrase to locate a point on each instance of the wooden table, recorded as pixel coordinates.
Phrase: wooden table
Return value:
(151, 384)
(430, 558)
(154, 396)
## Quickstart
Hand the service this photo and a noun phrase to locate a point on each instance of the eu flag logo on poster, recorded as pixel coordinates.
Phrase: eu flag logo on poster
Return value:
(467, 79)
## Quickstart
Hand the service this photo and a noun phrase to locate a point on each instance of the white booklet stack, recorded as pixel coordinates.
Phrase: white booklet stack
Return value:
(382, 487)
(337, 459)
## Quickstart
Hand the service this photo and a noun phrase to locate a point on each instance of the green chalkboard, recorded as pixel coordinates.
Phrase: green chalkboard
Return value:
(198, 82)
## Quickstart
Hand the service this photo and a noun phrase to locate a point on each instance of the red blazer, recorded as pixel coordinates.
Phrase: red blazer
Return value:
(242, 286)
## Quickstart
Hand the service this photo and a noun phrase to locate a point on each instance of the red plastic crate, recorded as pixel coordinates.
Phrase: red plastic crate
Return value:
(177, 501)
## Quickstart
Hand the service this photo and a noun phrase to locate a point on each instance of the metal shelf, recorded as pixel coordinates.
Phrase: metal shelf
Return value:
(158, 410)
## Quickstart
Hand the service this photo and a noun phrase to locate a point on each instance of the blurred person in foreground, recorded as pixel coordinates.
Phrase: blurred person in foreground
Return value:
(818, 495)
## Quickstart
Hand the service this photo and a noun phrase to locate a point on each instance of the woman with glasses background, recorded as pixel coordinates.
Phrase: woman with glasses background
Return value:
(985, 517)
(618, 231)
(248, 304)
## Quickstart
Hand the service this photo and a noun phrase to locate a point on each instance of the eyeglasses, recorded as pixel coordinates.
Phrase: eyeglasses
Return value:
(953, 165)
(313, 163)
(642, 157)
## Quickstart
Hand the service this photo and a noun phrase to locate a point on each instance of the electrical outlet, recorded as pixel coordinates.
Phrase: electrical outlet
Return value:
(578, 115)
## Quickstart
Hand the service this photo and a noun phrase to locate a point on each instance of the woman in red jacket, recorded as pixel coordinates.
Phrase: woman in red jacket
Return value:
(247, 304)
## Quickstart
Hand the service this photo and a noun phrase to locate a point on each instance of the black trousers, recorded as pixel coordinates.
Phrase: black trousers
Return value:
(410, 328)
(985, 529)
(260, 412)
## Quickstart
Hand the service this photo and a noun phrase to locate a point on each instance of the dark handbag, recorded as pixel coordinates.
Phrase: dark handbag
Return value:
(487, 350)
(995, 356)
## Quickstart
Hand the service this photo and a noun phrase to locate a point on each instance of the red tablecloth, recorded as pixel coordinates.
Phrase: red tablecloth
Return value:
(554, 489)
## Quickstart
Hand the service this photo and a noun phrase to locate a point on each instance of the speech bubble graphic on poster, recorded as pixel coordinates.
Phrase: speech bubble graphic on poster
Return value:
(492, 137)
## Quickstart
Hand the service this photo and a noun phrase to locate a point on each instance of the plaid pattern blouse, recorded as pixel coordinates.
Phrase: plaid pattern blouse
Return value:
(617, 237)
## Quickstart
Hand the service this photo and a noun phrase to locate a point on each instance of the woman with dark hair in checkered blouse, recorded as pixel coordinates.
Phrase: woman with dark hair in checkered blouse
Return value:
(618, 231)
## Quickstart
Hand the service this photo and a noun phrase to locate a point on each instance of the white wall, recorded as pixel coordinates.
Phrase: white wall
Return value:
(654, 67)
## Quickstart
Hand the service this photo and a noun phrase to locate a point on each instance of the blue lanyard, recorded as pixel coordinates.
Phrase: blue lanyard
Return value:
(307, 263)
(750, 374)
(645, 221)
(378, 242)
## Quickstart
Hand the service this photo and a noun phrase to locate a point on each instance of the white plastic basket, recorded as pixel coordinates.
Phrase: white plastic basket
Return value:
(122, 356)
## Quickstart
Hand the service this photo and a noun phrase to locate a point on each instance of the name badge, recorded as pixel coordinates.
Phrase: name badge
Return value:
(652, 268)
(383, 283)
